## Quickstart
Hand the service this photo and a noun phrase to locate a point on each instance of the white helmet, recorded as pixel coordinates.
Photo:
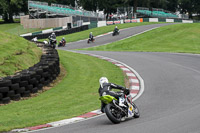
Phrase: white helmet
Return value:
(63, 38)
(53, 33)
(90, 32)
(116, 27)
(103, 80)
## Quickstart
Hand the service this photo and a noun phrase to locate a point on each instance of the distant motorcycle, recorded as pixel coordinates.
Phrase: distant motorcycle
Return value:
(115, 33)
(90, 40)
(62, 43)
(117, 113)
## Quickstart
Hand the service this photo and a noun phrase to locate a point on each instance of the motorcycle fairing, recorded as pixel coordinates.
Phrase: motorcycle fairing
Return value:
(107, 99)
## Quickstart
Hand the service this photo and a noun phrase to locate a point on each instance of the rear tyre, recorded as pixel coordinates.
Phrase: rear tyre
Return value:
(111, 113)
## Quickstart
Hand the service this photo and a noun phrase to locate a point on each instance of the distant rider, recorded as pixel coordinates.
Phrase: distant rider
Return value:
(106, 87)
(52, 40)
(91, 36)
(52, 36)
(116, 29)
(63, 41)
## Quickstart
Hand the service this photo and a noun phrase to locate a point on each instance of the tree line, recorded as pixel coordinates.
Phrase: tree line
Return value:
(8, 8)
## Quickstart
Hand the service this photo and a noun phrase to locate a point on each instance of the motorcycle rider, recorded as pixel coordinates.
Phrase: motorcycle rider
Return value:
(116, 29)
(105, 89)
(91, 36)
(63, 40)
(52, 37)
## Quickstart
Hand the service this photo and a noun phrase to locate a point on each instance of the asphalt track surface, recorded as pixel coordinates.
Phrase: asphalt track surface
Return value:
(170, 102)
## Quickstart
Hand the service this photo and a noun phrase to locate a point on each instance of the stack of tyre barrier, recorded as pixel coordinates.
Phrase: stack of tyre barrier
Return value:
(28, 81)
(58, 33)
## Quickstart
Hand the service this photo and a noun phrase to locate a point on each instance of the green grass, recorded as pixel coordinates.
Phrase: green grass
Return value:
(16, 54)
(76, 94)
(180, 38)
(97, 31)
(17, 29)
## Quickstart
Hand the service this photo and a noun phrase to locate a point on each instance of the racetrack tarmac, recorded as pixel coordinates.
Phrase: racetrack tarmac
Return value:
(170, 102)
(109, 38)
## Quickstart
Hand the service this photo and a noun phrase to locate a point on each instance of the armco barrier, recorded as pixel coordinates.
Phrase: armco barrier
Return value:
(28, 81)
(41, 35)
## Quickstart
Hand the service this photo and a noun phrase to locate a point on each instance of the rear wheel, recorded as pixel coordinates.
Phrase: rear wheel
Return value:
(113, 114)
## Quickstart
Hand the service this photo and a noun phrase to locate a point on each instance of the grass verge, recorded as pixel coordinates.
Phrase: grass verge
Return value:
(76, 94)
(17, 29)
(97, 31)
(180, 38)
(16, 54)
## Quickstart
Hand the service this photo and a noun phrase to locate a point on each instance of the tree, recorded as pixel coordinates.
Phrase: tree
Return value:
(187, 6)
(90, 5)
(10, 8)
(109, 6)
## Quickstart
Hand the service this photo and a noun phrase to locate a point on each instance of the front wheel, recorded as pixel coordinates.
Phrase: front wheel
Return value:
(136, 111)
(113, 115)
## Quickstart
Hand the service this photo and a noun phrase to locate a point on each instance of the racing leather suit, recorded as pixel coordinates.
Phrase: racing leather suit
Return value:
(91, 37)
(106, 90)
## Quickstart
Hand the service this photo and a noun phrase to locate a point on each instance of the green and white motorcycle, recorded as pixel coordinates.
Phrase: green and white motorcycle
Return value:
(117, 113)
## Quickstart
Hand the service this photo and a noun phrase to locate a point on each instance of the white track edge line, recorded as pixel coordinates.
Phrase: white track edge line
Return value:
(139, 77)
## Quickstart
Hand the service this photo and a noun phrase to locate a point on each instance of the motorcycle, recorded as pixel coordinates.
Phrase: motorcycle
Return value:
(52, 43)
(61, 43)
(115, 33)
(90, 40)
(117, 113)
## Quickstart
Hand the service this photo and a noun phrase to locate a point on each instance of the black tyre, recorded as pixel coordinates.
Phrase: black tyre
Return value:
(4, 89)
(1, 96)
(111, 113)
(15, 79)
(45, 68)
(16, 97)
(14, 86)
(20, 90)
(42, 80)
(38, 77)
(25, 77)
(26, 94)
(23, 83)
(33, 81)
(39, 71)
(45, 74)
(29, 87)
(34, 90)
(5, 83)
(40, 86)
(32, 74)
(136, 111)
(11, 93)
(6, 100)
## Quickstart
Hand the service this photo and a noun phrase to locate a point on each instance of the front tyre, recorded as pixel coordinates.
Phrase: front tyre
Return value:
(113, 115)
(136, 111)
